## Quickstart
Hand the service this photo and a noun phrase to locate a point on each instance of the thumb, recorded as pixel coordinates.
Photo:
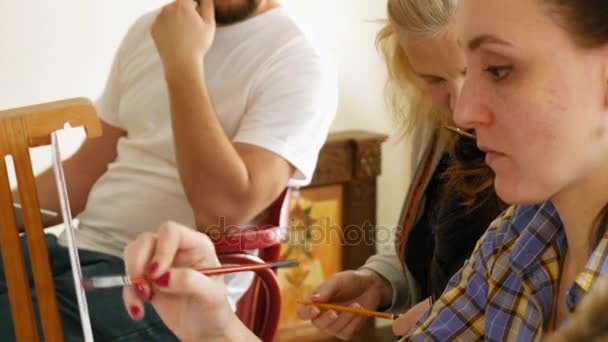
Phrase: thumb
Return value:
(206, 10)
(326, 291)
(341, 287)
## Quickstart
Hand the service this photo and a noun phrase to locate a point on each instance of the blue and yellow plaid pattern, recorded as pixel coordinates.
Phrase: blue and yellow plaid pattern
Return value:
(506, 290)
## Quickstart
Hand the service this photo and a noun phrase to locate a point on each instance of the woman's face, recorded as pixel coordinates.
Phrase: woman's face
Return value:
(537, 101)
(439, 64)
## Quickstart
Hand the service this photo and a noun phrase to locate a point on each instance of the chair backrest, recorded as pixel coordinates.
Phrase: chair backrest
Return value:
(260, 307)
(20, 129)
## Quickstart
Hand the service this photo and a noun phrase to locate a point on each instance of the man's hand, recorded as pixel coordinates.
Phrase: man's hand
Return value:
(184, 33)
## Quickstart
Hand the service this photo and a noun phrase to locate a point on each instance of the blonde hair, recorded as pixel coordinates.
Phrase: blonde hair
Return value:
(413, 108)
(409, 103)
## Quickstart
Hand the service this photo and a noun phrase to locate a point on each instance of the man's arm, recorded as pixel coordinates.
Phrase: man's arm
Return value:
(81, 171)
(223, 181)
(233, 182)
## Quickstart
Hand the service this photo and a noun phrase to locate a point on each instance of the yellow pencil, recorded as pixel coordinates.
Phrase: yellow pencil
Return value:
(349, 309)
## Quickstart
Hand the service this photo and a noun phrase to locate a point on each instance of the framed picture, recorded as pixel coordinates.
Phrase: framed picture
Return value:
(315, 240)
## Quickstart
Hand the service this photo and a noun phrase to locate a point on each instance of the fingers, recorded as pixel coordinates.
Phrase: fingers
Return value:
(352, 327)
(137, 254)
(207, 11)
(154, 254)
(308, 312)
(341, 325)
(195, 249)
(187, 3)
(327, 291)
(321, 294)
(169, 238)
(336, 328)
(133, 304)
(209, 293)
(178, 4)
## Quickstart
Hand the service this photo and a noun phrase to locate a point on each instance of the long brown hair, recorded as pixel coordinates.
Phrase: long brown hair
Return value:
(469, 175)
(587, 23)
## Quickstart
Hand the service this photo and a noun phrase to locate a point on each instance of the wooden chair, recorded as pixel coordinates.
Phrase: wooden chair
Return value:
(20, 129)
(260, 307)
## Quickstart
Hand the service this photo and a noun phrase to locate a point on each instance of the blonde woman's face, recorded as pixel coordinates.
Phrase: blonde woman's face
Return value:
(439, 64)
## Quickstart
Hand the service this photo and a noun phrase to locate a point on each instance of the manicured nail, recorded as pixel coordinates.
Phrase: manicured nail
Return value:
(315, 295)
(135, 312)
(152, 268)
(315, 311)
(163, 280)
(140, 292)
(333, 315)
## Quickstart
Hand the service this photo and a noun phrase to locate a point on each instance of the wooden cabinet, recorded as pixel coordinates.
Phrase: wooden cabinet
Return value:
(332, 224)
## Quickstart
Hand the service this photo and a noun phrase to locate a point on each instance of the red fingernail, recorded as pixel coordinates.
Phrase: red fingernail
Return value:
(140, 292)
(153, 268)
(163, 280)
(135, 312)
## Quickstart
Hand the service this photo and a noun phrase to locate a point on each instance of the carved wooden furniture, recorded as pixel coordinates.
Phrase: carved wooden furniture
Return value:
(332, 224)
(21, 129)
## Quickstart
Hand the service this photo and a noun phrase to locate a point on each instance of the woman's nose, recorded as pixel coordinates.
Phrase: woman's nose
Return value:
(469, 108)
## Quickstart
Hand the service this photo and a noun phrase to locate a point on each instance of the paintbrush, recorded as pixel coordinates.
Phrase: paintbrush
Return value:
(119, 280)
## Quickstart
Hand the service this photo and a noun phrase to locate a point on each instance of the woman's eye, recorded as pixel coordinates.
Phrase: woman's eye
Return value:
(498, 72)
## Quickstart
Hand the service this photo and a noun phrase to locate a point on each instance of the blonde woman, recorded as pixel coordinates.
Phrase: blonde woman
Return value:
(450, 201)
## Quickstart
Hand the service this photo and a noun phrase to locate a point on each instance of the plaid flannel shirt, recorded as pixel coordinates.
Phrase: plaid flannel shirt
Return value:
(506, 290)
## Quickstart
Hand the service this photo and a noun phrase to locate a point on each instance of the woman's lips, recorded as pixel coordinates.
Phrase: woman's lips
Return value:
(492, 156)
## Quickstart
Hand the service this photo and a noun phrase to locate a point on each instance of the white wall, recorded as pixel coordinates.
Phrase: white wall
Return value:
(348, 29)
(51, 50)
(63, 48)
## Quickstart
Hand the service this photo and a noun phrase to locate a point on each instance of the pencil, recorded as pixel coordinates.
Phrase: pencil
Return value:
(342, 308)
(105, 282)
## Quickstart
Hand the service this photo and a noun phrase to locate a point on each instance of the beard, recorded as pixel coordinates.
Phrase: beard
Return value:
(235, 13)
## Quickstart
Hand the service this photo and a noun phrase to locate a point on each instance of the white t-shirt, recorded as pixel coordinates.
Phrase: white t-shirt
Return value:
(270, 86)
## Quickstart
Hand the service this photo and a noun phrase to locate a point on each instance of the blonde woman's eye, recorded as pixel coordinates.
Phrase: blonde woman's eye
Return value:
(498, 72)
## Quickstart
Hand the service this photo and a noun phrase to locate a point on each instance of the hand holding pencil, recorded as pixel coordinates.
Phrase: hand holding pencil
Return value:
(402, 323)
(357, 290)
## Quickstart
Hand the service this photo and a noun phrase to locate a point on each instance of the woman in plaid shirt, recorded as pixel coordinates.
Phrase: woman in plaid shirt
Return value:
(536, 94)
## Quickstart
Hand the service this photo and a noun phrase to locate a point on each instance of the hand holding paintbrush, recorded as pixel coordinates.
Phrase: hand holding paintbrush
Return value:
(110, 281)
(194, 306)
